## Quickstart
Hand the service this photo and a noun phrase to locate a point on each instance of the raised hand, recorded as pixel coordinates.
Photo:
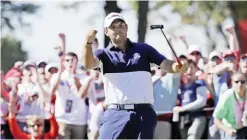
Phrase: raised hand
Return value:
(91, 35)
(230, 29)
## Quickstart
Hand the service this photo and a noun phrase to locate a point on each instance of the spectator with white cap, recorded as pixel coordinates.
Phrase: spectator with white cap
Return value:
(215, 58)
(50, 69)
(195, 54)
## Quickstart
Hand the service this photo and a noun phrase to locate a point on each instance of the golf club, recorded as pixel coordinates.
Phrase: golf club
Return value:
(152, 27)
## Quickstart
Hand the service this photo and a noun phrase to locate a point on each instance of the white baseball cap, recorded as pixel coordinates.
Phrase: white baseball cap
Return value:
(193, 48)
(29, 63)
(111, 17)
(49, 66)
(213, 54)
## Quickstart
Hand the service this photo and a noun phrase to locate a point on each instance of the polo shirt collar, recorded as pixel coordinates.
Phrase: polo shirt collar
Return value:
(114, 48)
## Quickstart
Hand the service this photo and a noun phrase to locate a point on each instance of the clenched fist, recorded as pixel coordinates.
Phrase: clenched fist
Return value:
(177, 69)
(91, 36)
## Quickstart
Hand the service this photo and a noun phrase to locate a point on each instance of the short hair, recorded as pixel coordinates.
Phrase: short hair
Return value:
(72, 54)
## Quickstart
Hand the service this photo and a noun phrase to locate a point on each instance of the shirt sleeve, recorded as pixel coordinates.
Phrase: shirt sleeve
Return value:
(221, 107)
(99, 54)
(154, 56)
(16, 131)
(53, 133)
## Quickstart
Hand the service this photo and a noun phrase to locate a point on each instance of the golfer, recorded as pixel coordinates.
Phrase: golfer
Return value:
(127, 81)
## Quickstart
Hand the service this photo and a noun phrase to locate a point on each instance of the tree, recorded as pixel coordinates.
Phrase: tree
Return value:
(110, 6)
(201, 13)
(238, 13)
(12, 14)
(11, 51)
(142, 20)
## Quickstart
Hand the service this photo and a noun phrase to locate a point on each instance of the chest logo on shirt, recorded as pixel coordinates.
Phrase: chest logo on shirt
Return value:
(187, 95)
(136, 56)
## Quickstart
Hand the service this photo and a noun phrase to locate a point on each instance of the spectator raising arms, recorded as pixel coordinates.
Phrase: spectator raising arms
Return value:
(35, 126)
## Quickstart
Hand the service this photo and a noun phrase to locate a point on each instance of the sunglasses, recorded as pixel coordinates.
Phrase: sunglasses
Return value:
(240, 81)
(38, 125)
(230, 58)
(195, 53)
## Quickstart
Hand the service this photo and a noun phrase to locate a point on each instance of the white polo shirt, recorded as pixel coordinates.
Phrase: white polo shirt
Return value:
(70, 108)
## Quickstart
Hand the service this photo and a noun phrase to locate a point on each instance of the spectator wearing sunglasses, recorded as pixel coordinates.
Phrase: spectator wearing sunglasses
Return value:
(228, 114)
(35, 126)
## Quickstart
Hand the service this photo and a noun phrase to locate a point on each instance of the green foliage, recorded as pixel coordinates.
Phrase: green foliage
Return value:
(199, 12)
(11, 11)
(241, 12)
(11, 51)
(134, 5)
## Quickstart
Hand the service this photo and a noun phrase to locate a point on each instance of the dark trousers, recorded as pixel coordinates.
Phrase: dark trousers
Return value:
(5, 132)
(128, 124)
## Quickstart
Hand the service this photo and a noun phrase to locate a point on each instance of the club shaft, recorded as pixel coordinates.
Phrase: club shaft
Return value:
(169, 44)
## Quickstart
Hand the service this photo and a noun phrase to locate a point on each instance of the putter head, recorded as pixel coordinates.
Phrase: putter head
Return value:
(152, 27)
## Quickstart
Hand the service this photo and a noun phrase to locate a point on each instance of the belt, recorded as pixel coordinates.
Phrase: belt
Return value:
(128, 106)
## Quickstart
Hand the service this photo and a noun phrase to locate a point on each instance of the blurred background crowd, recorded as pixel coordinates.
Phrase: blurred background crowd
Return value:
(46, 93)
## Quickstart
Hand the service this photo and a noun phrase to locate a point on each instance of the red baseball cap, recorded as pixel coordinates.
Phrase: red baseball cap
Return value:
(228, 53)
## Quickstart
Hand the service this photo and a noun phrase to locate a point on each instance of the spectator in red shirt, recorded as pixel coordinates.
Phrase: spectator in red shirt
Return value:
(16, 70)
(35, 126)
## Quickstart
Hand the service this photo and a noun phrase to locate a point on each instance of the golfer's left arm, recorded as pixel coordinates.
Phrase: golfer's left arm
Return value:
(168, 65)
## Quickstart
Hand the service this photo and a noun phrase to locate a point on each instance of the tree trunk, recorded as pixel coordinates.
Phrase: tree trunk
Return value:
(111, 6)
(142, 20)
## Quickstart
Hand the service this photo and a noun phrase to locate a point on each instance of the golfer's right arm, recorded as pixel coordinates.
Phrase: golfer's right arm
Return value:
(89, 61)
